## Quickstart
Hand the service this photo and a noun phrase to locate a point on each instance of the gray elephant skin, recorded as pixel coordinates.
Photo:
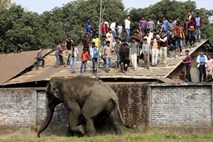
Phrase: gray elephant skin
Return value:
(83, 97)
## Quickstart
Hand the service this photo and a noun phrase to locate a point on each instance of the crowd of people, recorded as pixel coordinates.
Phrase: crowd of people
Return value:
(150, 42)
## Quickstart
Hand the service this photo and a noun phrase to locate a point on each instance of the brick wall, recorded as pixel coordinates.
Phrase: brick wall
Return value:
(179, 105)
(157, 105)
(17, 107)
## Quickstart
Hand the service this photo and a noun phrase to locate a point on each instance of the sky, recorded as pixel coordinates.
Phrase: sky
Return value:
(47, 5)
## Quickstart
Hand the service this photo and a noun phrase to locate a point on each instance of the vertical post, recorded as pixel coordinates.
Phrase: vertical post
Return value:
(99, 36)
(149, 103)
(35, 97)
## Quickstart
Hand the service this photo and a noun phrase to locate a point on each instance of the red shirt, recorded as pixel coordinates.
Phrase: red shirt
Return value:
(84, 56)
(104, 29)
(188, 58)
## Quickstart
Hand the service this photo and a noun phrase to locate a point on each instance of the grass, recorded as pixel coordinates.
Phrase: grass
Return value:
(128, 136)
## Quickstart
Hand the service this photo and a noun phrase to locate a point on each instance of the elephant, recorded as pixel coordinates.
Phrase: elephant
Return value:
(83, 97)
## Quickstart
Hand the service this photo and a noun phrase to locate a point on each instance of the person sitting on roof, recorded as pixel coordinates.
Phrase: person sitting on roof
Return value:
(39, 58)
(124, 56)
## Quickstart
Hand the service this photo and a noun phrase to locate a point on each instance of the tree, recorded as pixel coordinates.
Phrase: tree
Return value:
(71, 18)
(5, 3)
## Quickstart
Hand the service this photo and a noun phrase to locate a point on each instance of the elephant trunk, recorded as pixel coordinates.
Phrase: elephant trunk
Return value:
(46, 122)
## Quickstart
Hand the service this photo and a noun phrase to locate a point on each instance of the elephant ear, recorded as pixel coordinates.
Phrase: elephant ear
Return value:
(56, 89)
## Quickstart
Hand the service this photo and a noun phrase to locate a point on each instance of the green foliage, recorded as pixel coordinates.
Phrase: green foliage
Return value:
(5, 3)
(21, 30)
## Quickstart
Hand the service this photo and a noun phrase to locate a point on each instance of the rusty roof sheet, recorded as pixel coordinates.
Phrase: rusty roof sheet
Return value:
(157, 73)
(14, 63)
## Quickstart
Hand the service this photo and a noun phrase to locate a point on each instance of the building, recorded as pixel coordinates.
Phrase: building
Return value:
(155, 97)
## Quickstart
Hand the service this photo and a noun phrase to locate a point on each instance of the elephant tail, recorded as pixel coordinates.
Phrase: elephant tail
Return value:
(120, 115)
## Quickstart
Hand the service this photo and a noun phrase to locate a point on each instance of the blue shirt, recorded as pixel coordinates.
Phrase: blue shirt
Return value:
(202, 60)
(88, 27)
(94, 52)
(165, 25)
(197, 19)
(58, 50)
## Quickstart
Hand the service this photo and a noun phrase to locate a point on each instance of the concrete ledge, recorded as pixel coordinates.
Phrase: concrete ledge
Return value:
(205, 84)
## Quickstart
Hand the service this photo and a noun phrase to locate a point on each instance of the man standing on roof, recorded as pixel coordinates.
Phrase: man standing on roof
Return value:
(69, 42)
(39, 58)
(199, 22)
(103, 28)
(202, 64)
(108, 51)
(209, 69)
(58, 54)
(146, 49)
(117, 48)
(143, 24)
(127, 27)
(163, 48)
(124, 56)
(134, 47)
(73, 60)
(88, 28)
(188, 62)
(113, 28)
(86, 42)
(179, 37)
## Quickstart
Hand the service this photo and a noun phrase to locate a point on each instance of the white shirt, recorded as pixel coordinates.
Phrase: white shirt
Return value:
(91, 51)
(127, 24)
(198, 60)
(120, 28)
(149, 37)
(107, 23)
(112, 26)
(109, 36)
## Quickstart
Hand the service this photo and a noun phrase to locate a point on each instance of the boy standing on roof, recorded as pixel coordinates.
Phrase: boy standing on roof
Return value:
(84, 57)
(58, 54)
(187, 61)
(39, 58)
(202, 64)
(146, 49)
(94, 55)
(74, 54)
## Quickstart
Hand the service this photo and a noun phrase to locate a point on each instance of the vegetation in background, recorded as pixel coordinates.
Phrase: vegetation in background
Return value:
(21, 30)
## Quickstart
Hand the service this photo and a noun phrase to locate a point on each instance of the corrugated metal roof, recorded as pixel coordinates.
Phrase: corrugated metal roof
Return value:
(49, 71)
(14, 63)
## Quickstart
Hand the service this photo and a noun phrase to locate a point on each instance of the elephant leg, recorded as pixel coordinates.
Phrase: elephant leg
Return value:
(73, 123)
(114, 120)
(90, 110)
(90, 128)
(74, 112)
(69, 132)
